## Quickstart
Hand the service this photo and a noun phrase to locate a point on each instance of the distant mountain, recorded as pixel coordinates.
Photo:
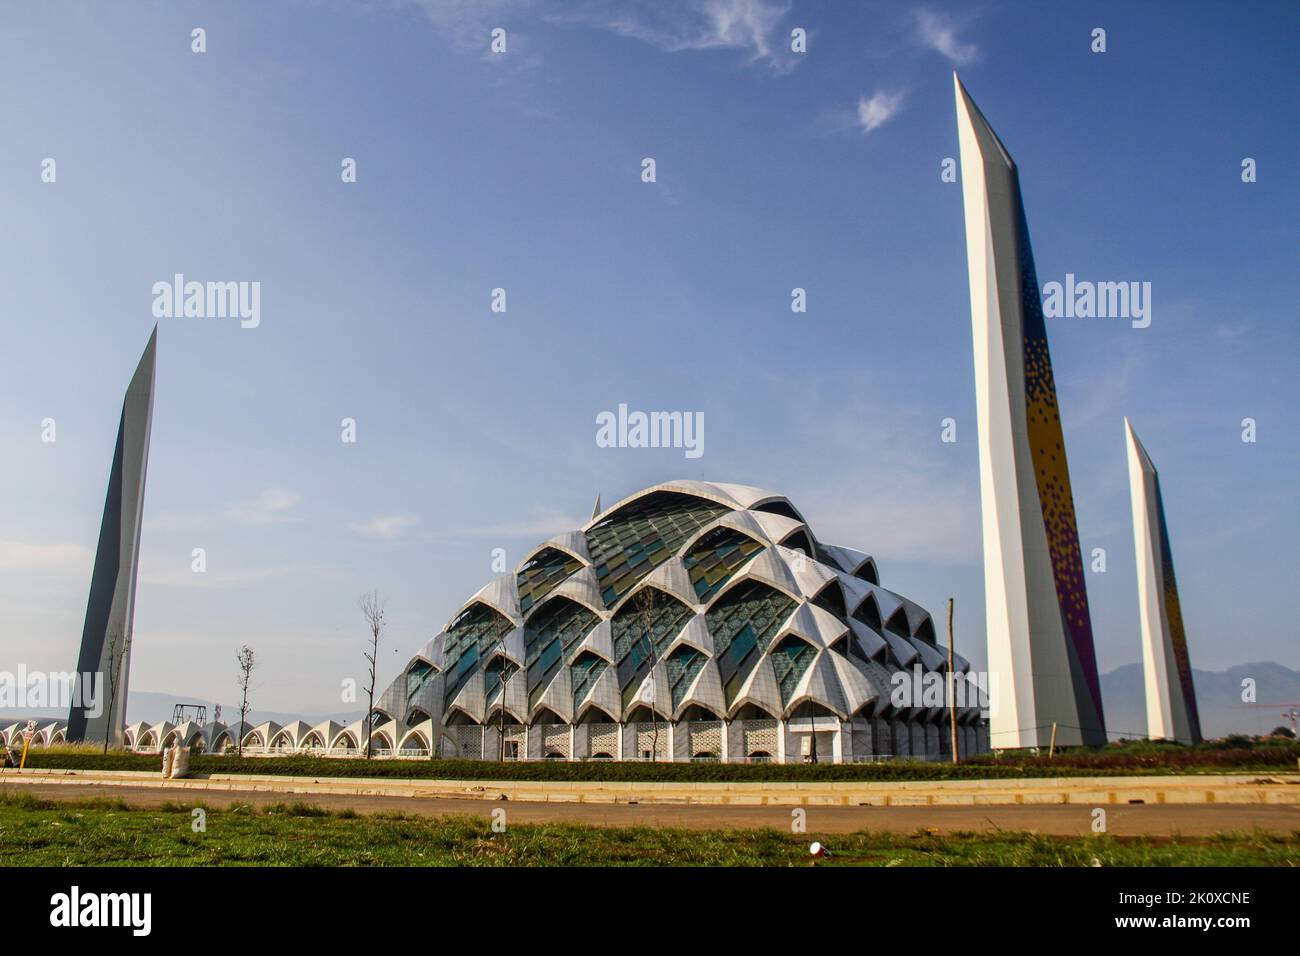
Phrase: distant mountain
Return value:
(1218, 698)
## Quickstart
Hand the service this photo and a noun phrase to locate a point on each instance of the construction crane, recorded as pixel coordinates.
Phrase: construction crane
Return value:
(1289, 712)
(195, 712)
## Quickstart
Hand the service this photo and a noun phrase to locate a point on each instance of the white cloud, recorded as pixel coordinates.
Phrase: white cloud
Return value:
(692, 25)
(939, 34)
(544, 523)
(468, 23)
(878, 109)
(670, 25)
(385, 527)
(272, 506)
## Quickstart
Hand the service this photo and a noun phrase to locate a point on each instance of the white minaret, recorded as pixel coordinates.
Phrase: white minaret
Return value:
(1039, 627)
(1171, 695)
(110, 607)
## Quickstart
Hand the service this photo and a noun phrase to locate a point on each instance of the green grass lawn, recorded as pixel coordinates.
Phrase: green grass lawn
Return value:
(38, 832)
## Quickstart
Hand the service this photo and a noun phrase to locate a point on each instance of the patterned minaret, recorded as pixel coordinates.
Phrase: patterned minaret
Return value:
(1171, 696)
(1039, 628)
(110, 609)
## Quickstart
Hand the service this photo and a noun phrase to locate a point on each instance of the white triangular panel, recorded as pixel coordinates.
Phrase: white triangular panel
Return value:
(821, 685)
(581, 586)
(760, 688)
(870, 642)
(705, 691)
(558, 695)
(672, 577)
(604, 693)
(695, 634)
(470, 697)
(599, 640)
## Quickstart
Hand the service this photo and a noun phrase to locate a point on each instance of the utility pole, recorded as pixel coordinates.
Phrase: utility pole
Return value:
(952, 687)
(1051, 749)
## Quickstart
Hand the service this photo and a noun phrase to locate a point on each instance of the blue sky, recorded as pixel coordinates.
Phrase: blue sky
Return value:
(522, 170)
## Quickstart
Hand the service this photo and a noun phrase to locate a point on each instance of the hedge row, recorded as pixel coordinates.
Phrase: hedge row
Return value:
(1264, 760)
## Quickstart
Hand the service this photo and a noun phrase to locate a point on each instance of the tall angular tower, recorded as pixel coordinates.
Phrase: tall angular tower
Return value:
(110, 609)
(1171, 696)
(1039, 627)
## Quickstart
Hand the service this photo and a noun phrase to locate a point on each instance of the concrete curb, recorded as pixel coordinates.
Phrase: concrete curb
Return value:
(1090, 791)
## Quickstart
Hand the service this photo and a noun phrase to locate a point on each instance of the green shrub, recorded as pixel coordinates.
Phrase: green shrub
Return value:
(1076, 762)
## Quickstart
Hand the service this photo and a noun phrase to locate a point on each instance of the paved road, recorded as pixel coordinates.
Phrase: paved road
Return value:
(1122, 819)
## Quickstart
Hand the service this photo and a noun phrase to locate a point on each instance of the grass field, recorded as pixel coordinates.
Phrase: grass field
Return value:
(37, 832)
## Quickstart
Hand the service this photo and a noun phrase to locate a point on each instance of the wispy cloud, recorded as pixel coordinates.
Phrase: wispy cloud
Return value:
(670, 25)
(939, 34)
(1232, 333)
(543, 523)
(878, 109)
(746, 25)
(272, 506)
(385, 527)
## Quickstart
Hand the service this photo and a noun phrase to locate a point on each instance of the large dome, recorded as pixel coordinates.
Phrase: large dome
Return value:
(691, 620)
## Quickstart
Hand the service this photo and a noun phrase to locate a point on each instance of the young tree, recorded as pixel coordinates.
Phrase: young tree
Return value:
(647, 603)
(507, 671)
(118, 647)
(372, 609)
(246, 662)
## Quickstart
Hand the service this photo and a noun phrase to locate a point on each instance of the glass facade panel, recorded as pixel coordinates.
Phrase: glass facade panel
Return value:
(548, 569)
(790, 659)
(586, 669)
(471, 635)
(416, 676)
(748, 616)
(715, 558)
(554, 628)
(632, 542)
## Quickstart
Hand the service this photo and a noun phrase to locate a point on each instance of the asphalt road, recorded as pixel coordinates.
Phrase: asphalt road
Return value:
(1053, 820)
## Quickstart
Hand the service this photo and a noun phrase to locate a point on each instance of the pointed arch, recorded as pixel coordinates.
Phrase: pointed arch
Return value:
(868, 612)
(638, 536)
(543, 572)
(742, 622)
(831, 599)
(897, 622)
(471, 635)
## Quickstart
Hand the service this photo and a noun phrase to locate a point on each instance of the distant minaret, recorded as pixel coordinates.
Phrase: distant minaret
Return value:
(1041, 654)
(1171, 696)
(110, 609)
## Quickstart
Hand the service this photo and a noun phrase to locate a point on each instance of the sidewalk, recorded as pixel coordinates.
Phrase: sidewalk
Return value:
(1093, 791)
